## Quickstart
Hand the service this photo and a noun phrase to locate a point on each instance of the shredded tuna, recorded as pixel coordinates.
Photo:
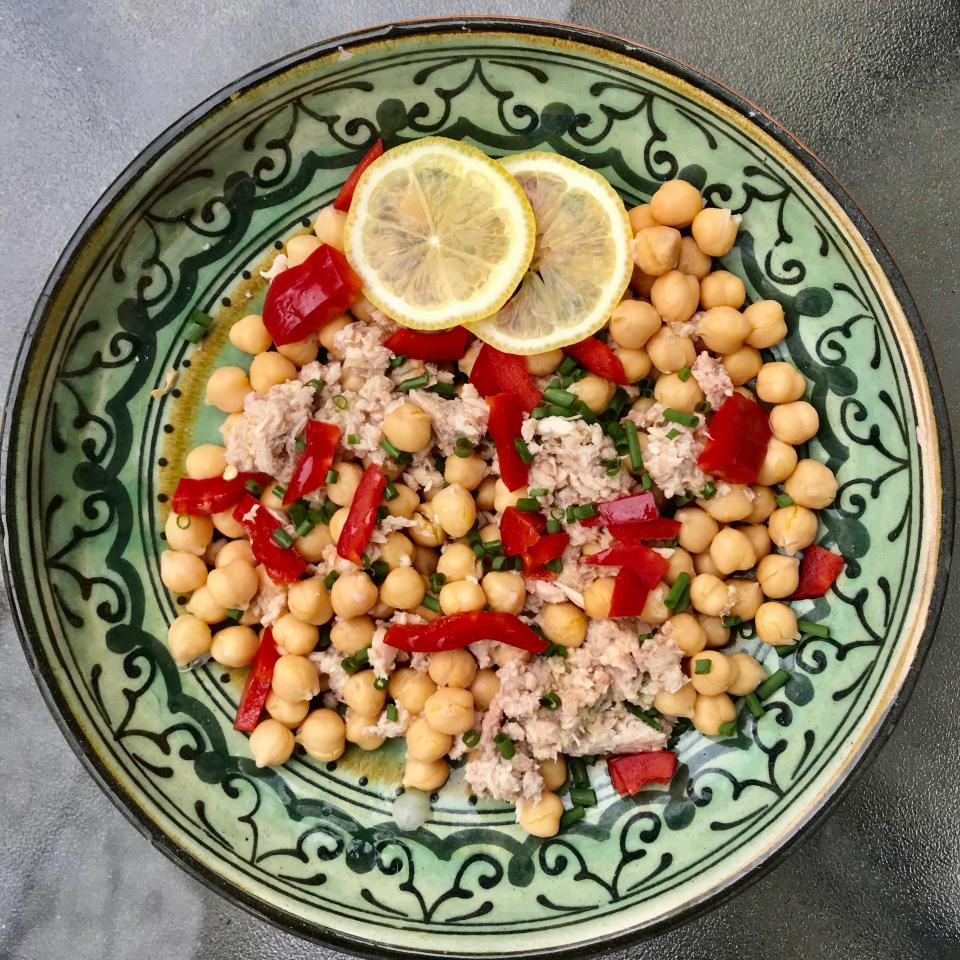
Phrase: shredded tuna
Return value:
(382, 658)
(712, 378)
(671, 460)
(491, 775)
(270, 600)
(170, 378)
(686, 328)
(385, 727)
(389, 525)
(328, 662)
(422, 474)
(462, 416)
(280, 263)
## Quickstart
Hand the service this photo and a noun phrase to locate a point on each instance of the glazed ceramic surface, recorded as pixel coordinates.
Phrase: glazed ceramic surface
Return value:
(92, 454)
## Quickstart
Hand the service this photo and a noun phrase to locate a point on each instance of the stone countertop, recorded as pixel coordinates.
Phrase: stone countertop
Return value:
(873, 88)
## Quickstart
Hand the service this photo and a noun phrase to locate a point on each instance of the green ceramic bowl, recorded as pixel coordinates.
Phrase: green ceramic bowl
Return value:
(90, 455)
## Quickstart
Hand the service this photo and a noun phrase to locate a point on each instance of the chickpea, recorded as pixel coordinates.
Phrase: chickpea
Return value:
(457, 562)
(633, 323)
(717, 634)
(723, 329)
(779, 462)
(703, 563)
(182, 572)
(301, 352)
(426, 529)
(749, 674)
(353, 594)
(676, 203)
(250, 335)
(225, 523)
(636, 363)
(715, 231)
(234, 646)
(641, 216)
(296, 636)
(670, 352)
(425, 560)
(411, 689)
(505, 591)
(678, 704)
(329, 226)
(778, 576)
(776, 623)
(718, 678)
(655, 610)
(426, 776)
(794, 422)
(656, 249)
(450, 710)
(227, 388)
(203, 606)
(188, 638)
(426, 744)
(729, 507)
(311, 546)
(594, 391)
(206, 461)
(792, 528)
(270, 499)
(742, 365)
(767, 325)
(780, 382)
(300, 247)
(188, 534)
(289, 714)
(323, 735)
(642, 405)
(453, 668)
(341, 491)
(455, 510)
(675, 296)
(680, 562)
(763, 504)
(711, 713)
(709, 594)
(541, 818)
(486, 493)
(330, 329)
(679, 394)
(503, 497)
(295, 678)
(554, 772)
(747, 598)
(461, 596)
(408, 428)
(405, 503)
(758, 536)
(693, 260)
(812, 485)
(309, 601)
(235, 550)
(361, 695)
(543, 364)
(688, 634)
(234, 585)
(597, 598)
(485, 686)
(722, 289)
(403, 589)
(271, 743)
(697, 529)
(335, 526)
(270, 369)
(466, 472)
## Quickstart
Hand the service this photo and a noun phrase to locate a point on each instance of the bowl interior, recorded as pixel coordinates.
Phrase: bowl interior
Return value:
(92, 454)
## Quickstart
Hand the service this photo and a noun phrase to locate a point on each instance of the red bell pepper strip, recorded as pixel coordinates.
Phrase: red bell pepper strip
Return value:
(647, 564)
(304, 298)
(497, 372)
(547, 548)
(443, 347)
(506, 416)
(461, 629)
(203, 497)
(283, 564)
(739, 434)
(257, 685)
(311, 470)
(660, 528)
(362, 517)
(633, 509)
(818, 570)
(594, 355)
(630, 772)
(519, 531)
(629, 594)
(345, 196)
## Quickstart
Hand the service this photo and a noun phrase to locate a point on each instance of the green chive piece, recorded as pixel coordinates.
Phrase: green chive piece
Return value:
(538, 413)
(785, 649)
(353, 439)
(572, 816)
(279, 491)
(684, 497)
(567, 366)
(380, 569)
(281, 537)
(578, 772)
(381, 683)
(754, 705)
(649, 717)
(561, 398)
(478, 550)
(672, 542)
(471, 738)
(523, 450)
(504, 745)
(300, 443)
(254, 488)
(316, 384)
(341, 402)
(414, 383)
(539, 492)
(702, 666)
(437, 582)
(646, 481)
(329, 509)
(492, 546)
(349, 665)
(390, 492)
(183, 521)
(683, 374)
(611, 467)
(585, 511)
(193, 332)
(305, 526)
(393, 714)
(431, 603)
(569, 515)
(361, 657)
(728, 729)
(731, 621)
(332, 476)
(498, 563)
(553, 525)
(784, 500)
(331, 578)
(324, 642)
(583, 797)
(473, 535)
(401, 456)
(704, 406)
(297, 512)
(585, 412)
(673, 434)
(678, 599)
(234, 613)
(463, 447)
(813, 629)
(771, 685)
(550, 701)
(633, 445)
(444, 389)
(527, 505)
(709, 490)
(555, 565)
(398, 361)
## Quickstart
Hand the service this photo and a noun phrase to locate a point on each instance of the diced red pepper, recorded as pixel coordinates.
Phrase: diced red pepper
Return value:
(283, 564)
(818, 570)
(345, 196)
(461, 629)
(203, 497)
(320, 441)
(647, 564)
(257, 685)
(632, 509)
(304, 298)
(506, 416)
(362, 517)
(519, 531)
(739, 434)
(547, 548)
(631, 772)
(629, 594)
(594, 355)
(660, 528)
(497, 372)
(443, 347)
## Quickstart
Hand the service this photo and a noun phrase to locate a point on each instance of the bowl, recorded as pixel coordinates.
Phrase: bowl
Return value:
(96, 434)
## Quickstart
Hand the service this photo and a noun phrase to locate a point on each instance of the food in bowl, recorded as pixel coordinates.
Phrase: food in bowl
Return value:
(507, 471)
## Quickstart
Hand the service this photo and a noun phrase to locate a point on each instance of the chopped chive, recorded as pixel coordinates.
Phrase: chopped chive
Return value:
(234, 613)
(393, 714)
(364, 560)
(324, 640)
(300, 443)
(561, 398)
(316, 384)
(381, 683)
(754, 705)
(305, 526)
(463, 447)
(437, 582)
(279, 491)
(297, 512)
(569, 515)
(473, 535)
(585, 511)
(193, 332)
(471, 738)
(649, 717)
(539, 492)
(678, 599)
(443, 389)
(504, 745)
(329, 509)
(478, 550)
(784, 500)
(431, 603)
(702, 666)
(771, 685)
(341, 402)
(253, 487)
(709, 490)
(813, 629)
(617, 402)
(401, 456)
(492, 546)
(498, 563)
(281, 537)
(414, 383)
(645, 636)
(704, 406)
(349, 665)
(633, 445)
(332, 476)
(578, 773)
(362, 657)
(200, 318)
(583, 797)
(331, 578)
(183, 521)
(679, 416)
(611, 467)
(555, 650)
(785, 649)
(553, 525)
(646, 481)
(550, 701)
(683, 374)
(353, 439)
(523, 450)
(390, 492)
(516, 564)
(527, 505)
(673, 434)
(728, 729)
(588, 415)
(555, 565)
(567, 366)
(684, 498)
(378, 571)
(538, 413)
(398, 361)
(731, 621)
(572, 816)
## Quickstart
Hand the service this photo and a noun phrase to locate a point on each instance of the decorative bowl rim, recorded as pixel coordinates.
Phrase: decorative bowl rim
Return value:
(549, 29)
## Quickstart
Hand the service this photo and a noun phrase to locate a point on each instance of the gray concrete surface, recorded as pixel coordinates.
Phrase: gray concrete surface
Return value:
(873, 87)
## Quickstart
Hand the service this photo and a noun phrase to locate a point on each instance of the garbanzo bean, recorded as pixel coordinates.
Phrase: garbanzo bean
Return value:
(323, 735)
(711, 713)
(450, 710)
(341, 491)
(715, 231)
(749, 674)
(543, 364)
(405, 503)
(455, 510)
(641, 283)
(289, 714)
(235, 550)
(203, 605)
(742, 365)
(717, 634)
(792, 528)
(309, 601)
(693, 260)
(234, 585)
(411, 689)
(778, 575)
(794, 422)
(670, 352)
(680, 562)
(486, 493)
(335, 526)
(721, 673)
(505, 591)
(188, 638)
(311, 545)
(361, 694)
(296, 636)
(271, 743)
(270, 499)
(703, 563)
(678, 704)
(641, 216)
(759, 537)
(763, 504)
(188, 534)
(633, 323)
(554, 772)
(182, 572)
(465, 471)
(207, 460)
(329, 226)
(403, 588)
(731, 506)
(594, 391)
(423, 775)
(295, 678)
(697, 529)
(408, 428)
(812, 485)
(226, 524)
(457, 562)
(776, 623)
(767, 325)
(461, 596)
(485, 686)
(676, 203)
(426, 744)
(301, 352)
(747, 598)
(566, 624)
(353, 594)
(270, 369)
(675, 296)
(425, 560)
(655, 610)
(780, 382)
(723, 329)
(453, 668)
(636, 363)
(597, 598)
(250, 335)
(234, 646)
(688, 634)
(226, 389)
(778, 463)
(330, 329)
(672, 391)
(540, 818)
(300, 247)
(709, 594)
(656, 249)
(722, 289)
(503, 497)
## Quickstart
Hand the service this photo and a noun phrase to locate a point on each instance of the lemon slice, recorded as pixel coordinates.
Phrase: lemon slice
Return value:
(582, 262)
(439, 233)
